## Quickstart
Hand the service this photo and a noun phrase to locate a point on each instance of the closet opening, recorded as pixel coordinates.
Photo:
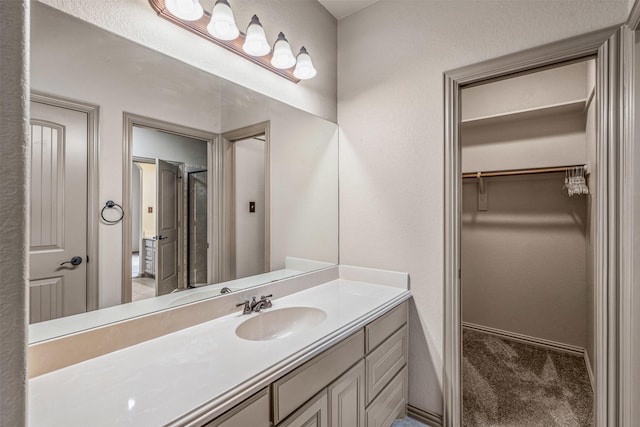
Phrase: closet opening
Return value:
(528, 145)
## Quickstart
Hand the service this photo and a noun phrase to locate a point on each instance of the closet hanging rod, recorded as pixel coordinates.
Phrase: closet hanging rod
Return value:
(531, 171)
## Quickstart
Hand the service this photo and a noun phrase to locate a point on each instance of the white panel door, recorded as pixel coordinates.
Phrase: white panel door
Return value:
(166, 227)
(58, 225)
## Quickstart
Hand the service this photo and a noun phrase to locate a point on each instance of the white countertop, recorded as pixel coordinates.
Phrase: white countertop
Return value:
(182, 375)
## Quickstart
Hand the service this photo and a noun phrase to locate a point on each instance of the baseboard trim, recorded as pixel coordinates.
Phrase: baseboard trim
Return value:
(430, 418)
(592, 379)
(553, 345)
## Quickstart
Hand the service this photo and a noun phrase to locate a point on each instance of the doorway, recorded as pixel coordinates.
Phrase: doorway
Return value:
(527, 284)
(603, 45)
(158, 232)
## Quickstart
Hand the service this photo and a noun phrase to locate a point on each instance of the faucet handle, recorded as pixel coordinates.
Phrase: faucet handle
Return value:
(267, 302)
(247, 306)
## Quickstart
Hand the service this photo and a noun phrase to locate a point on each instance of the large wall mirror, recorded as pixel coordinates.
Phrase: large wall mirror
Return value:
(221, 188)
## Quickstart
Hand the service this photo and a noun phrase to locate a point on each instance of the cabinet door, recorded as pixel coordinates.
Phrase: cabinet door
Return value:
(252, 412)
(346, 398)
(313, 414)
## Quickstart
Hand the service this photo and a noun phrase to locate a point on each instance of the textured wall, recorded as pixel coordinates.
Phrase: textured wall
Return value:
(13, 210)
(391, 59)
(304, 22)
(524, 259)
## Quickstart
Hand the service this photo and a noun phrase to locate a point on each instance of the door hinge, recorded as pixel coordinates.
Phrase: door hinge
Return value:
(459, 273)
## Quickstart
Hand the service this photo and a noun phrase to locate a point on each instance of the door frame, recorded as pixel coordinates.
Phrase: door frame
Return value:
(93, 189)
(246, 132)
(605, 45)
(214, 193)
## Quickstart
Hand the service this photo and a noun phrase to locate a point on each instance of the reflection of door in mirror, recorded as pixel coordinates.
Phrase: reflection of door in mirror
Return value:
(159, 203)
(197, 228)
(58, 287)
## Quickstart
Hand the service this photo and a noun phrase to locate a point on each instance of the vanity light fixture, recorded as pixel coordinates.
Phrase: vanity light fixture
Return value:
(188, 10)
(219, 27)
(304, 67)
(223, 25)
(282, 57)
(255, 42)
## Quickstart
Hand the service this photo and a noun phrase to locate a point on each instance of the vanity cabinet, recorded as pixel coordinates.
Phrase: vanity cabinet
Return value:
(361, 381)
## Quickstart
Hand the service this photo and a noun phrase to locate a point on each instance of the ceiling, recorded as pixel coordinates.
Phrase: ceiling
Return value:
(342, 8)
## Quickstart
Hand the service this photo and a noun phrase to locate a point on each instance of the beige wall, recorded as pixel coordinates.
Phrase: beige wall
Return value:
(391, 58)
(249, 186)
(14, 108)
(524, 259)
(148, 199)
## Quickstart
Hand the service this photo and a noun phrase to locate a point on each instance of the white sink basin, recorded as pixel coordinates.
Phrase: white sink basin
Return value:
(280, 323)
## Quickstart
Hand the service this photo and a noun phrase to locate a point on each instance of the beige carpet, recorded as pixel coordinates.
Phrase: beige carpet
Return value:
(507, 383)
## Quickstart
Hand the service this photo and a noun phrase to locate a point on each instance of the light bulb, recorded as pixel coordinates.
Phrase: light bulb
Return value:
(223, 25)
(255, 42)
(282, 56)
(187, 10)
(304, 67)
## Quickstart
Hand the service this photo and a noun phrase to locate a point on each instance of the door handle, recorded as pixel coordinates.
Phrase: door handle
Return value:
(162, 237)
(76, 260)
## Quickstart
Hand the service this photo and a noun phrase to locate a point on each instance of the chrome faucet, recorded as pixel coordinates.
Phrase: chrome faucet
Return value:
(255, 306)
(264, 302)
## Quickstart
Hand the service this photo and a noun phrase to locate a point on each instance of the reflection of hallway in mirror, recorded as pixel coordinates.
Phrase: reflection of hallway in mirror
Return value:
(142, 288)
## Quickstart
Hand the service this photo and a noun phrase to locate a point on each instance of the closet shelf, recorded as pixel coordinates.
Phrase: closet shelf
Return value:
(531, 113)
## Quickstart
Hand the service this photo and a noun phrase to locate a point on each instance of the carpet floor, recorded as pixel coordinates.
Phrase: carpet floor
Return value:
(507, 383)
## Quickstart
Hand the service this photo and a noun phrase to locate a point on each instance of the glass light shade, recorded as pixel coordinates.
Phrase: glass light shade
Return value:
(255, 42)
(223, 25)
(187, 10)
(304, 67)
(282, 56)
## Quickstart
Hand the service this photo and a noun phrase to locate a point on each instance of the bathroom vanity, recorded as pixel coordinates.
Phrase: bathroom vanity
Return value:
(361, 381)
(293, 367)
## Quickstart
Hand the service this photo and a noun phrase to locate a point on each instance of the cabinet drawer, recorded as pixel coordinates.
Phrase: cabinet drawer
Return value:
(385, 362)
(378, 330)
(313, 414)
(295, 388)
(148, 267)
(391, 404)
(252, 412)
(149, 243)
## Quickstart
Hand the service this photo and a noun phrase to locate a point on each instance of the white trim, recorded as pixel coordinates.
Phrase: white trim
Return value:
(604, 45)
(592, 378)
(93, 190)
(527, 339)
(427, 417)
(628, 233)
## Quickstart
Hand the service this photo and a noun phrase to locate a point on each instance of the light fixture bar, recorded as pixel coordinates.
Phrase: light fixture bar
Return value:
(199, 27)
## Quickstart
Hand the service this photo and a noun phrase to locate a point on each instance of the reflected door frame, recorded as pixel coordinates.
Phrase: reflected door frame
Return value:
(258, 129)
(214, 194)
(93, 160)
(606, 46)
